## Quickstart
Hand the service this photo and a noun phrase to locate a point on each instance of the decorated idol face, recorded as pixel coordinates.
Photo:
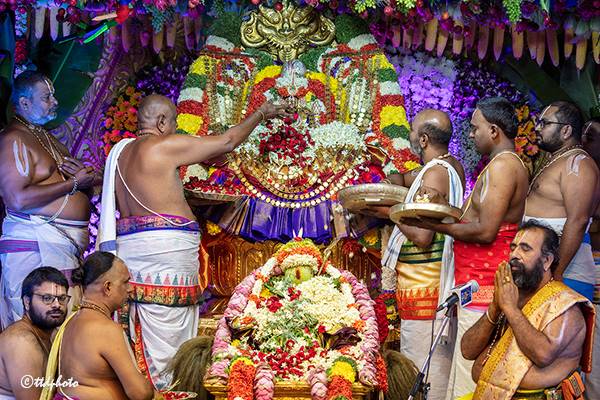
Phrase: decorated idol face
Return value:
(40, 107)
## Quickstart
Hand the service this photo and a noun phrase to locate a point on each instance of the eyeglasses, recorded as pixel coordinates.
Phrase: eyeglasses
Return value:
(48, 299)
(543, 122)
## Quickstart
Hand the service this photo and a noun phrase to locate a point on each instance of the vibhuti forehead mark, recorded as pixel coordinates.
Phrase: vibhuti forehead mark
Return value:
(21, 158)
(484, 186)
(544, 112)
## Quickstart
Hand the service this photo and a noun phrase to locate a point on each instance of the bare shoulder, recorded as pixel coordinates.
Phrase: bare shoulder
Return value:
(571, 322)
(17, 338)
(11, 133)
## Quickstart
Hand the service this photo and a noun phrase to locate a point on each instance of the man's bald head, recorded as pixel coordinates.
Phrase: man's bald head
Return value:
(435, 124)
(157, 113)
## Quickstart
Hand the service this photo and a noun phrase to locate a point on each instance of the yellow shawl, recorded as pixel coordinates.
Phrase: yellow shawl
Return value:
(53, 362)
(507, 365)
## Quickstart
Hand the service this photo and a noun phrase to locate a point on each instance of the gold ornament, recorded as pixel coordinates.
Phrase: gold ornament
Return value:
(287, 33)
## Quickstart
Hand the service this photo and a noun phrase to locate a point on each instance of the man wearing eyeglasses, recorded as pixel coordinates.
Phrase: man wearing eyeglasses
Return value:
(564, 193)
(25, 345)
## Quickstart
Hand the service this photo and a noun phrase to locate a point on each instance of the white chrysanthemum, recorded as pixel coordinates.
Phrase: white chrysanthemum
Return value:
(196, 170)
(337, 135)
(192, 93)
(220, 43)
(327, 304)
(299, 260)
(360, 41)
(389, 88)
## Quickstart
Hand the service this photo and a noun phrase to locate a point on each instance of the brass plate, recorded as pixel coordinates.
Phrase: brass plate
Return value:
(445, 213)
(198, 198)
(284, 391)
(358, 197)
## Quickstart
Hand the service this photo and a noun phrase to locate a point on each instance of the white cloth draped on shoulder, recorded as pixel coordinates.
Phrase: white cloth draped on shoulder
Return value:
(161, 253)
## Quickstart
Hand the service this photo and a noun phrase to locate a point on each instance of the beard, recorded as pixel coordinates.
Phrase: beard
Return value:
(551, 144)
(48, 320)
(528, 281)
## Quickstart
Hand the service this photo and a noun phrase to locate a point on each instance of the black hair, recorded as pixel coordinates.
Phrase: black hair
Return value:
(551, 240)
(569, 113)
(500, 112)
(23, 85)
(436, 134)
(94, 266)
(41, 275)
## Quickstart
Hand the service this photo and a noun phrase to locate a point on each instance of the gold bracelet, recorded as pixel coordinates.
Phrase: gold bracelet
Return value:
(487, 315)
(263, 117)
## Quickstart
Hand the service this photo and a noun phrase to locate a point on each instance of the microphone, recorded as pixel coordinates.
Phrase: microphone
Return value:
(462, 293)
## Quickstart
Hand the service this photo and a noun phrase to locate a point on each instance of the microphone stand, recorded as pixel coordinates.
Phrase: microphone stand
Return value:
(420, 386)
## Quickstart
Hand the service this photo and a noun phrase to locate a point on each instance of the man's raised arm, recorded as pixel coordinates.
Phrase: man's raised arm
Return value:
(186, 149)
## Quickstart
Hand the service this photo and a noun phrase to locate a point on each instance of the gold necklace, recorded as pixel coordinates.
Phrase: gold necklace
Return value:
(497, 334)
(93, 306)
(443, 156)
(33, 129)
(555, 157)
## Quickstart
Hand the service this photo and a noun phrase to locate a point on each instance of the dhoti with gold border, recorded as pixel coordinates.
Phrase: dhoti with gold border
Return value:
(417, 292)
(162, 259)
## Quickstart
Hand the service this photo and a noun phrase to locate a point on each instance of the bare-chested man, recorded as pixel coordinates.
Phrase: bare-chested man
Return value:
(90, 348)
(157, 235)
(591, 143)
(547, 339)
(25, 345)
(489, 222)
(418, 262)
(40, 184)
(565, 193)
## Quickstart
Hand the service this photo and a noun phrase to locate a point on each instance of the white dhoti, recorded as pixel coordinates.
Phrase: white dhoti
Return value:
(592, 380)
(415, 342)
(29, 242)
(164, 311)
(461, 381)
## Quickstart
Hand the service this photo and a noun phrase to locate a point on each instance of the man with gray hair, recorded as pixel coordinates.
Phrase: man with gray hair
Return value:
(41, 186)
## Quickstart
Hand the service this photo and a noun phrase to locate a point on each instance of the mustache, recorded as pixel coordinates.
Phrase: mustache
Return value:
(516, 264)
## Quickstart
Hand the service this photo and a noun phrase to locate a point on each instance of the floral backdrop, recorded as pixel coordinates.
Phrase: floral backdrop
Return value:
(453, 86)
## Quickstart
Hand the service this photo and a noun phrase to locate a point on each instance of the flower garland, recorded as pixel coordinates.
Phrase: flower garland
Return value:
(280, 156)
(321, 329)
(455, 87)
(120, 119)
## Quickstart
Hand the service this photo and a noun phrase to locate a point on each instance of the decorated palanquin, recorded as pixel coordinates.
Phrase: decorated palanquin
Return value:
(348, 127)
(297, 327)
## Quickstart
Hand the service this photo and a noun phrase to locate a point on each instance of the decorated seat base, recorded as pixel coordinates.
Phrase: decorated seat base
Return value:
(285, 391)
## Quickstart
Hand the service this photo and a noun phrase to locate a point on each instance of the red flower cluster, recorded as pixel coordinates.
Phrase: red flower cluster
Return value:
(382, 321)
(273, 304)
(382, 381)
(294, 294)
(286, 141)
(20, 51)
(241, 381)
(339, 388)
(285, 364)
